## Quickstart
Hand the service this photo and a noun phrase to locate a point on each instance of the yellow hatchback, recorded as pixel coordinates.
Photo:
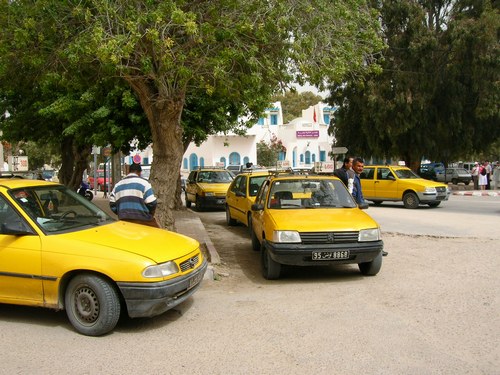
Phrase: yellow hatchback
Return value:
(241, 195)
(58, 250)
(397, 183)
(307, 220)
(207, 187)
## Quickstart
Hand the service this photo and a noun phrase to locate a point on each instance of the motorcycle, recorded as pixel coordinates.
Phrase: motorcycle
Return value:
(85, 191)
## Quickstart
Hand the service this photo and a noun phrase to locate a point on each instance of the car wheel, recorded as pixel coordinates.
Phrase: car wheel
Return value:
(255, 240)
(271, 269)
(410, 200)
(434, 204)
(188, 202)
(467, 182)
(199, 205)
(229, 220)
(373, 267)
(249, 223)
(377, 203)
(454, 181)
(92, 305)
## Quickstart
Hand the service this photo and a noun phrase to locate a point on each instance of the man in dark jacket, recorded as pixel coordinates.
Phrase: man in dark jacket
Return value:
(345, 173)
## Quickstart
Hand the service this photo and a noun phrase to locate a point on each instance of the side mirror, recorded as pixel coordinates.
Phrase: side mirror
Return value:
(363, 206)
(257, 207)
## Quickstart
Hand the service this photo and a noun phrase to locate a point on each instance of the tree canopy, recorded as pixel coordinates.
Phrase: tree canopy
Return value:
(293, 102)
(178, 53)
(438, 94)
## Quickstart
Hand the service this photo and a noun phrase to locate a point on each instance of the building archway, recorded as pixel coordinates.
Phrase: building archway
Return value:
(234, 158)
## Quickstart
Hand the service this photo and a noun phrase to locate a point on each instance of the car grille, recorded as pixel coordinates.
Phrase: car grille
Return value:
(441, 189)
(190, 263)
(328, 237)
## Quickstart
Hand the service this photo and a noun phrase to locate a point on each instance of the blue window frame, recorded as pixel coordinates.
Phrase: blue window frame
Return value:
(234, 158)
(322, 156)
(301, 158)
(261, 121)
(185, 163)
(274, 119)
(326, 118)
(308, 157)
(202, 162)
(223, 160)
(193, 161)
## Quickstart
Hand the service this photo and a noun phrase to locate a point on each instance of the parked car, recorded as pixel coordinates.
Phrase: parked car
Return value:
(62, 252)
(100, 180)
(396, 183)
(312, 220)
(241, 195)
(207, 187)
(455, 175)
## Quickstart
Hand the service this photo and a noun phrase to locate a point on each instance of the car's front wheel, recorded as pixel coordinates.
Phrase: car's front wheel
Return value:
(410, 200)
(271, 270)
(92, 305)
(373, 267)
(454, 181)
(188, 202)
(229, 220)
(377, 203)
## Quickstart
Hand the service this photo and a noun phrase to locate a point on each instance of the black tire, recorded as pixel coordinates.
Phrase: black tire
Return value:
(434, 204)
(377, 203)
(454, 181)
(92, 305)
(271, 270)
(467, 182)
(249, 223)
(89, 195)
(410, 200)
(255, 240)
(188, 202)
(199, 205)
(229, 220)
(373, 267)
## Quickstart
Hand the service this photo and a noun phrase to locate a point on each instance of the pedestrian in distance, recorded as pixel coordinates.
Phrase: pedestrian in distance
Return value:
(346, 173)
(133, 199)
(358, 165)
(475, 175)
(489, 173)
(482, 176)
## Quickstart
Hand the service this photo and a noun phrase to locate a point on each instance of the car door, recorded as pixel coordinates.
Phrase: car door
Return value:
(191, 187)
(235, 197)
(386, 185)
(367, 178)
(258, 216)
(20, 258)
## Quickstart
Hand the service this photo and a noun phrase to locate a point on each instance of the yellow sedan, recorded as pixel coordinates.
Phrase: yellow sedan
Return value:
(241, 195)
(58, 250)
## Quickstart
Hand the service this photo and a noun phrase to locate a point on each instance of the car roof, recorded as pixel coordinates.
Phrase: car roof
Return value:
(13, 183)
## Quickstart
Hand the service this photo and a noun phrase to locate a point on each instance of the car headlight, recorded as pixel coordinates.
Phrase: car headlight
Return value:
(369, 235)
(160, 270)
(430, 190)
(286, 236)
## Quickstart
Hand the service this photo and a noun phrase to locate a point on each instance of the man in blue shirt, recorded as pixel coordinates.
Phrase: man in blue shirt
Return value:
(133, 199)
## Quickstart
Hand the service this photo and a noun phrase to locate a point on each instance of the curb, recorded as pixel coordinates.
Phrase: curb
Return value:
(478, 193)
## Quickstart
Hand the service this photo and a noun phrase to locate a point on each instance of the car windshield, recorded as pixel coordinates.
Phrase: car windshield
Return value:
(57, 209)
(405, 174)
(215, 177)
(309, 193)
(255, 183)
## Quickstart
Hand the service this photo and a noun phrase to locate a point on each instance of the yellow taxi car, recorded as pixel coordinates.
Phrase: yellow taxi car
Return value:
(207, 187)
(59, 251)
(307, 220)
(398, 183)
(241, 195)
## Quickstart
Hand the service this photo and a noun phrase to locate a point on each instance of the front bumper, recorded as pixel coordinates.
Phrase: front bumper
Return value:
(151, 299)
(433, 197)
(213, 201)
(301, 255)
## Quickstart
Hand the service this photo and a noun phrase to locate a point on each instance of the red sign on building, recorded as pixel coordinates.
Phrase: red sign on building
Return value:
(307, 133)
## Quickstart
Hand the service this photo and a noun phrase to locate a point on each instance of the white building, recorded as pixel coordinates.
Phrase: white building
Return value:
(306, 141)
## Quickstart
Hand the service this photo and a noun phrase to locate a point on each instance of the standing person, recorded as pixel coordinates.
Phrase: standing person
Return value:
(346, 174)
(133, 199)
(488, 174)
(482, 176)
(475, 175)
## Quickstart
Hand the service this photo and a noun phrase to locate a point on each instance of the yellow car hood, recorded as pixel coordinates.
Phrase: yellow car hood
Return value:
(215, 188)
(159, 245)
(421, 182)
(322, 219)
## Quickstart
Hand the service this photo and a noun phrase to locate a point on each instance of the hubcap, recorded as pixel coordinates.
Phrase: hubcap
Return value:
(86, 305)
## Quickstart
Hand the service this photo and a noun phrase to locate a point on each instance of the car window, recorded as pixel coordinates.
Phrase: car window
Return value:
(58, 209)
(255, 183)
(367, 174)
(309, 193)
(384, 173)
(405, 174)
(237, 184)
(261, 197)
(9, 216)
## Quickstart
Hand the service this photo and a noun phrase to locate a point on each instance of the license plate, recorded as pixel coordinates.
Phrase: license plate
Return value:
(330, 255)
(195, 280)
